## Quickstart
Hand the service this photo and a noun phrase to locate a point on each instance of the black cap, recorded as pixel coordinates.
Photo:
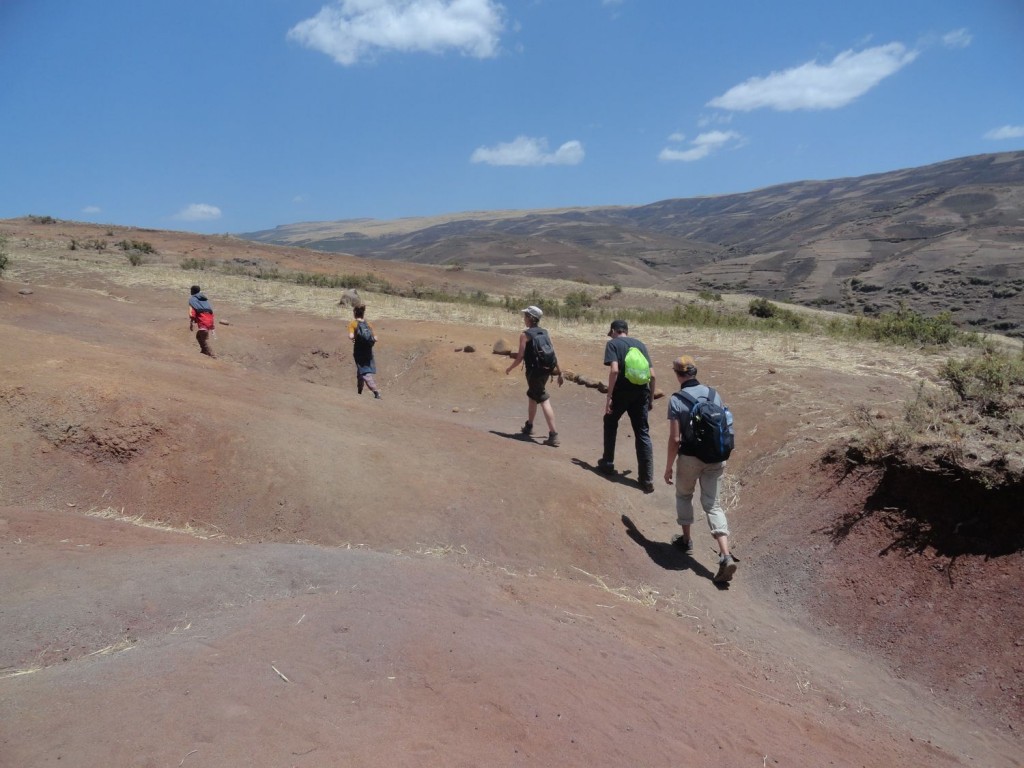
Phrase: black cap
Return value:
(618, 326)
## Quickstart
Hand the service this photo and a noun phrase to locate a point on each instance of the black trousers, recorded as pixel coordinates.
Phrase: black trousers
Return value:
(636, 403)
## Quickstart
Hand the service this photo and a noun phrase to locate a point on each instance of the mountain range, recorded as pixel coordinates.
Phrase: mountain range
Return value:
(947, 237)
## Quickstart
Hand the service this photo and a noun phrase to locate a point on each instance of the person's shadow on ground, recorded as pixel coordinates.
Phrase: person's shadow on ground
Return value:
(665, 555)
(518, 436)
(618, 477)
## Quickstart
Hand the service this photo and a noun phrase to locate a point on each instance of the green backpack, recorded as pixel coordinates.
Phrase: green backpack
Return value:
(638, 370)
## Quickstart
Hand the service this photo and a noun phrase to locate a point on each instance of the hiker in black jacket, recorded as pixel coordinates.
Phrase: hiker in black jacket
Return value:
(538, 372)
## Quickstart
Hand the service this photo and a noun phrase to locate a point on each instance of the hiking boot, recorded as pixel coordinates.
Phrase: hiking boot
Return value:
(647, 486)
(683, 544)
(605, 467)
(726, 568)
(552, 440)
(527, 429)
(376, 396)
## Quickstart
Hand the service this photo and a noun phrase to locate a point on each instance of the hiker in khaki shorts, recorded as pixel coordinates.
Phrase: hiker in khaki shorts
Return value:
(691, 470)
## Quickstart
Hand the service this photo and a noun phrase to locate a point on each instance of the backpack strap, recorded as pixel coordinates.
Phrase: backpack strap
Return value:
(693, 399)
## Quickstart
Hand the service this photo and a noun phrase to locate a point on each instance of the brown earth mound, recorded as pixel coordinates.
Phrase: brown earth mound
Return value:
(240, 561)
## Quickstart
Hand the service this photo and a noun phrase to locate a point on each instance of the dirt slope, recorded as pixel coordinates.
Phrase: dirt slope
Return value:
(402, 582)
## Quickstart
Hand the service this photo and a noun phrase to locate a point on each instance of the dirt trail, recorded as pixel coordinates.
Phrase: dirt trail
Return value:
(403, 581)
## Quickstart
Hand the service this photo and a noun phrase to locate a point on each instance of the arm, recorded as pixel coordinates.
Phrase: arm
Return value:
(613, 376)
(673, 448)
(519, 355)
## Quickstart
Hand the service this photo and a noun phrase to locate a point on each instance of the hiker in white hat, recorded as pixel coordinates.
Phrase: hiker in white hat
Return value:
(538, 354)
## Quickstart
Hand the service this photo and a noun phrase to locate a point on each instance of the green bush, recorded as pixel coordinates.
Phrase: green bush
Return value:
(709, 295)
(3, 255)
(141, 246)
(905, 326)
(994, 380)
(134, 258)
(193, 264)
(762, 308)
(41, 219)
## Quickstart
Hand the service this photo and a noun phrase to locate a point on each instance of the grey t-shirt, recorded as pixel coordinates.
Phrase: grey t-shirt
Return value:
(615, 350)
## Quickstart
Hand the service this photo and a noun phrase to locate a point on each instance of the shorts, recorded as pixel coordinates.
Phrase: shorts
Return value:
(536, 386)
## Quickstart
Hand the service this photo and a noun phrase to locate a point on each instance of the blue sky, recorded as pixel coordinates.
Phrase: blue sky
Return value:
(239, 115)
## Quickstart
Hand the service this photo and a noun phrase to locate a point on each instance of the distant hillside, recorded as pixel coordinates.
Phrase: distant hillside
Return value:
(944, 237)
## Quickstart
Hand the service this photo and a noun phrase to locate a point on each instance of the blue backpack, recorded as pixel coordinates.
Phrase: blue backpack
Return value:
(705, 427)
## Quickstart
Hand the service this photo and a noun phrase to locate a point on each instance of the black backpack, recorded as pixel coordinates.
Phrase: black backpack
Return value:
(364, 335)
(542, 351)
(705, 427)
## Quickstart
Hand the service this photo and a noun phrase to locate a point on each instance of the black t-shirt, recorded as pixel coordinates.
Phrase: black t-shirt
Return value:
(615, 350)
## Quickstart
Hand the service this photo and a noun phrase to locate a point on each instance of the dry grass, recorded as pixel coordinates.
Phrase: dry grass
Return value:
(43, 264)
(111, 513)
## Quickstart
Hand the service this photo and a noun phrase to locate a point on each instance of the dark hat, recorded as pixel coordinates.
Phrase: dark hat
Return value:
(195, 289)
(618, 326)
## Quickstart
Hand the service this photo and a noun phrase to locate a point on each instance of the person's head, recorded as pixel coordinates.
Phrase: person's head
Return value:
(532, 314)
(618, 328)
(195, 289)
(359, 311)
(685, 367)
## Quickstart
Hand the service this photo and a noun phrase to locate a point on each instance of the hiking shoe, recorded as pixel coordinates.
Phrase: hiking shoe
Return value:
(605, 467)
(683, 544)
(527, 429)
(647, 486)
(552, 440)
(376, 396)
(726, 568)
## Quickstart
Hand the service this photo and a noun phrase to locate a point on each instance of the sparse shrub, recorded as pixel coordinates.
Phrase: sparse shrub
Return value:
(709, 295)
(778, 317)
(3, 255)
(993, 380)
(141, 246)
(41, 219)
(193, 264)
(616, 288)
(93, 244)
(575, 303)
(762, 308)
(134, 258)
(907, 326)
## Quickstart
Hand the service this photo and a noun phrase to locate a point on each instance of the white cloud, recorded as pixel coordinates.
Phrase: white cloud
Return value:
(350, 30)
(701, 147)
(198, 212)
(92, 209)
(524, 150)
(1006, 132)
(958, 38)
(677, 137)
(818, 86)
